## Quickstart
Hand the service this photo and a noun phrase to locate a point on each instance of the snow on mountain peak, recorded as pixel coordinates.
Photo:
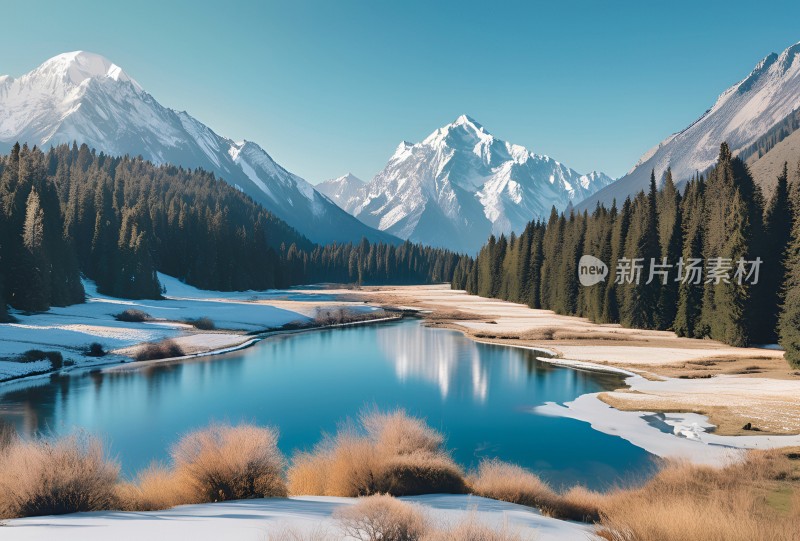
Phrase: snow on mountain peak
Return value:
(461, 184)
(77, 66)
(84, 97)
(742, 113)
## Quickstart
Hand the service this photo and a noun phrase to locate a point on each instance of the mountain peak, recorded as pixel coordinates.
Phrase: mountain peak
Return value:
(77, 66)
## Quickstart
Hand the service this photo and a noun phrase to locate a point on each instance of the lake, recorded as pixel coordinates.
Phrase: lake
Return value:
(480, 396)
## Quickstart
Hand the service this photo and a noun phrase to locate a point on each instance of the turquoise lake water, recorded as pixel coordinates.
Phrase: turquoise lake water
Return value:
(480, 396)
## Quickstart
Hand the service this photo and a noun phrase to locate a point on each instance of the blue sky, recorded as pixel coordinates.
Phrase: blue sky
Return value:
(333, 86)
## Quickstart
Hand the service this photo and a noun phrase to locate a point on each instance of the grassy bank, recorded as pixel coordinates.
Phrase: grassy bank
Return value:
(381, 455)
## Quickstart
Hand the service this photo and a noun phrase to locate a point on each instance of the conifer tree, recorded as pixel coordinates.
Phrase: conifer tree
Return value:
(777, 236)
(670, 240)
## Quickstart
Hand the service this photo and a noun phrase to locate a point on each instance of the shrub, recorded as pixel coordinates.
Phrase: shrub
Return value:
(472, 530)
(32, 355)
(133, 316)
(293, 534)
(159, 350)
(386, 453)
(8, 434)
(225, 462)
(55, 477)
(382, 518)
(95, 349)
(420, 473)
(511, 483)
(155, 488)
(202, 323)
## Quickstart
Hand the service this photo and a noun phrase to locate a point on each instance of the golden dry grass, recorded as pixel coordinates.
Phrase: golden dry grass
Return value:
(155, 488)
(54, 477)
(382, 518)
(224, 462)
(472, 530)
(386, 453)
(684, 502)
(511, 483)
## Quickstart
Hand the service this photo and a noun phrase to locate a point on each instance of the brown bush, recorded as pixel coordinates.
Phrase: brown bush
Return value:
(165, 349)
(382, 518)
(420, 473)
(225, 462)
(155, 488)
(54, 477)
(202, 323)
(133, 316)
(693, 503)
(8, 434)
(472, 530)
(511, 483)
(386, 453)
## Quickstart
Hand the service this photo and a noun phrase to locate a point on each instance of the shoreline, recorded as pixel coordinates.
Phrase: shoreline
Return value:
(123, 365)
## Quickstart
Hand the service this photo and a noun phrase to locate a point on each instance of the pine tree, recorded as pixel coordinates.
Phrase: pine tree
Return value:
(777, 236)
(690, 294)
(789, 323)
(34, 293)
(671, 241)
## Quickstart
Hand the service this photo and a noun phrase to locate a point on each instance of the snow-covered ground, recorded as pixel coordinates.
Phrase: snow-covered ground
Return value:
(70, 330)
(262, 520)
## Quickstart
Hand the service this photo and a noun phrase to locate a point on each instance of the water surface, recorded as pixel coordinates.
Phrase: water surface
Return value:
(480, 396)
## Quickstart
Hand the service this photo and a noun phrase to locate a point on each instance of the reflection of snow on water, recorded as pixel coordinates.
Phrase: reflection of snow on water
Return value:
(418, 352)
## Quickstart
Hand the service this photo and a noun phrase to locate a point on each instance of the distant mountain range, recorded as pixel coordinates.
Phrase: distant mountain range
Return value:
(460, 185)
(742, 115)
(453, 189)
(84, 97)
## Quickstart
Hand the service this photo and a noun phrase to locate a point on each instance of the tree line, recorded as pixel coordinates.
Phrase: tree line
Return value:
(720, 222)
(119, 220)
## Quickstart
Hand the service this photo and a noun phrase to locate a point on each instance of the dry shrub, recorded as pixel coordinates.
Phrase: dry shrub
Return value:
(382, 518)
(420, 473)
(54, 477)
(544, 333)
(295, 534)
(202, 323)
(132, 315)
(692, 503)
(226, 462)
(343, 465)
(472, 530)
(165, 349)
(511, 483)
(155, 488)
(8, 434)
(386, 453)
(580, 503)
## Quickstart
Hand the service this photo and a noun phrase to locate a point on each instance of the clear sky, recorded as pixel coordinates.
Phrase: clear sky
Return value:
(333, 86)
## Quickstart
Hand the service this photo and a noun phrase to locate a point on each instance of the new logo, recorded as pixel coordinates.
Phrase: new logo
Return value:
(591, 270)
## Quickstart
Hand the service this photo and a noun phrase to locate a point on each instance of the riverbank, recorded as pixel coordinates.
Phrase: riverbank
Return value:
(236, 318)
(731, 386)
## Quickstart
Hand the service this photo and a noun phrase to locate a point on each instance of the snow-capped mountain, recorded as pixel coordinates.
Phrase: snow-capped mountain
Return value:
(343, 191)
(461, 184)
(742, 114)
(84, 97)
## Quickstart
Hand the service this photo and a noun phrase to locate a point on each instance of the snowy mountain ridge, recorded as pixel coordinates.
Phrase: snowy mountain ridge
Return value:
(342, 190)
(461, 184)
(740, 115)
(84, 97)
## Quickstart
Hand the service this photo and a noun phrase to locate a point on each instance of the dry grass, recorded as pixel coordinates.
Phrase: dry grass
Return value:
(756, 499)
(472, 530)
(54, 477)
(453, 315)
(8, 434)
(295, 534)
(155, 488)
(382, 518)
(386, 453)
(511, 483)
(226, 462)
(165, 349)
